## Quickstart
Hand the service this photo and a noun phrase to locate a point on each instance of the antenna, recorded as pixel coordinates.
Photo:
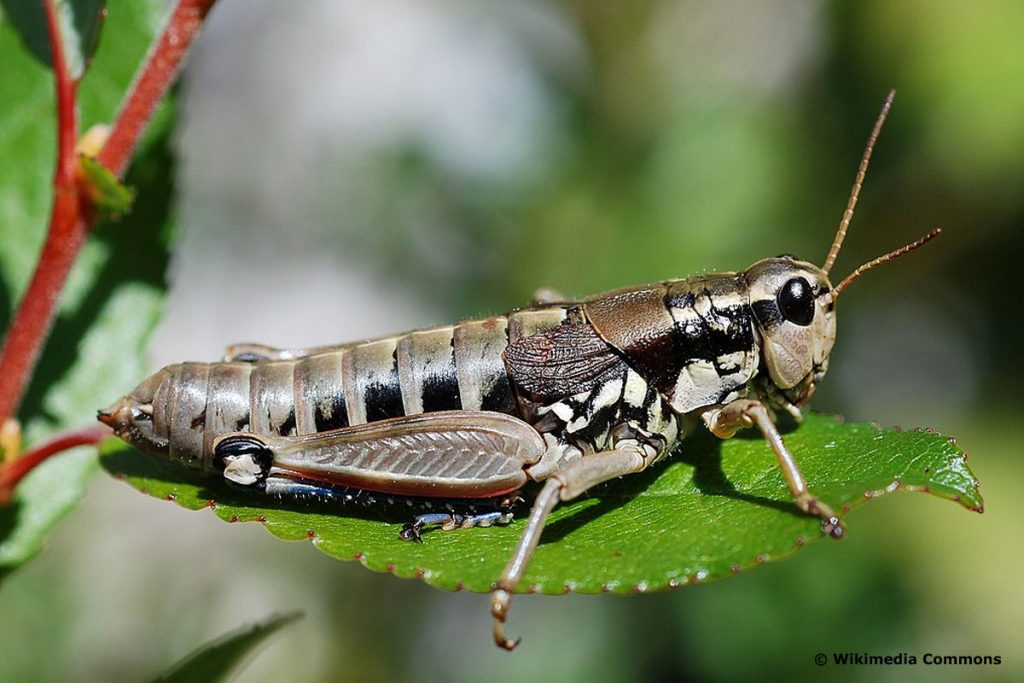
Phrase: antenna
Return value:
(844, 224)
(905, 249)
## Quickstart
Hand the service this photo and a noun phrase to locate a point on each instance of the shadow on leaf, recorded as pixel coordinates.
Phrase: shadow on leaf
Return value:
(701, 451)
(709, 476)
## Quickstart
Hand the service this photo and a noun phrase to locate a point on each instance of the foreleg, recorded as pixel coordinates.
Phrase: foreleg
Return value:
(723, 422)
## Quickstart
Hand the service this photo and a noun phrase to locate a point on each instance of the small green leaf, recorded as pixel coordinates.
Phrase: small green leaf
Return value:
(217, 659)
(713, 509)
(80, 24)
(109, 197)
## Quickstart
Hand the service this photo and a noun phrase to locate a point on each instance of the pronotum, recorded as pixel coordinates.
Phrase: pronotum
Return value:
(457, 419)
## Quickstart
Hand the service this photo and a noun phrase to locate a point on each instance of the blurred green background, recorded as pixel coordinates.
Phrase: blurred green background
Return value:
(348, 169)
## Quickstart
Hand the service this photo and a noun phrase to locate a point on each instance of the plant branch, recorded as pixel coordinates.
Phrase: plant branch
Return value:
(72, 217)
(152, 81)
(67, 110)
(15, 471)
(34, 318)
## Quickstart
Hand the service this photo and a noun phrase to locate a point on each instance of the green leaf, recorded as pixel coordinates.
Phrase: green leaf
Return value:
(114, 296)
(80, 24)
(217, 659)
(109, 197)
(42, 498)
(713, 509)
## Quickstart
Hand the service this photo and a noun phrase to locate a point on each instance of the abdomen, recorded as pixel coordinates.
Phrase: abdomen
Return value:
(456, 367)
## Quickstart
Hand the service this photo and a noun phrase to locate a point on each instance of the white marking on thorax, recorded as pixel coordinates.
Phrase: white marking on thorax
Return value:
(698, 385)
(635, 390)
(732, 363)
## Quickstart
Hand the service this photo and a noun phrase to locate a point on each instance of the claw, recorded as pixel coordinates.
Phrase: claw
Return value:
(833, 527)
(499, 610)
(411, 532)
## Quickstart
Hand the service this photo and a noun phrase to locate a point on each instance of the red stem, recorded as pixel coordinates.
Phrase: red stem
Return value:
(71, 219)
(34, 317)
(152, 81)
(14, 471)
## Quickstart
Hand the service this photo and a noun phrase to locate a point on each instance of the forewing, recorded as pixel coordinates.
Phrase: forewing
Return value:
(562, 361)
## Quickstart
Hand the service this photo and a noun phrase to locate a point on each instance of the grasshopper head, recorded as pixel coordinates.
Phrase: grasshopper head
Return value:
(793, 308)
(793, 301)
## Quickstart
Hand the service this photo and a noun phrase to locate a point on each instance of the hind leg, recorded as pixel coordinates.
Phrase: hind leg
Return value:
(567, 483)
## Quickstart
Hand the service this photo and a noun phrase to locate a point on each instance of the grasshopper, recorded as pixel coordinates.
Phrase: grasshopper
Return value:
(457, 419)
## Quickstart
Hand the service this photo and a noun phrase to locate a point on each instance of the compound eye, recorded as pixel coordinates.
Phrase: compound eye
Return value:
(796, 301)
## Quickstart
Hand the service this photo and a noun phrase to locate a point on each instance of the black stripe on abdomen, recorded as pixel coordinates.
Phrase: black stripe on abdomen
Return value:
(483, 381)
(498, 397)
(370, 381)
(329, 413)
(441, 392)
(319, 393)
(383, 399)
(426, 370)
